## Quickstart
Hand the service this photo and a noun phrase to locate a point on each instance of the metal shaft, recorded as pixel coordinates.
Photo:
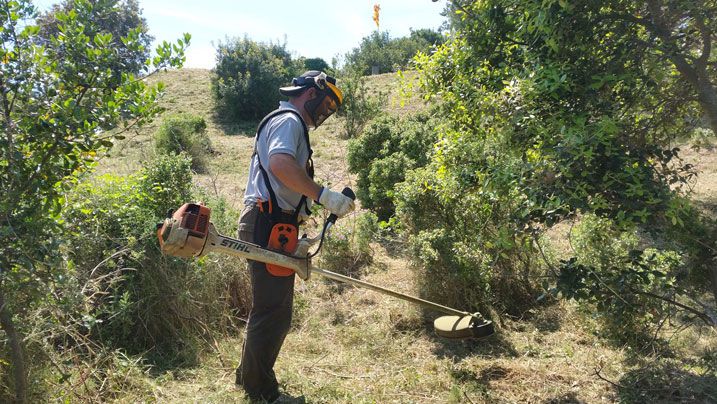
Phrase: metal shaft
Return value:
(231, 246)
(413, 299)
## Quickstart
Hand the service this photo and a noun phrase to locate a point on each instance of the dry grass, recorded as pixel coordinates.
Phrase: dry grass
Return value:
(359, 346)
(705, 187)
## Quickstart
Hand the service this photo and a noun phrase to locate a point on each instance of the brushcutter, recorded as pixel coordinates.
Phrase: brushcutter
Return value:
(187, 232)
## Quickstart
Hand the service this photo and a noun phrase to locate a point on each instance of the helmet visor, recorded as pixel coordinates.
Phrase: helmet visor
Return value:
(336, 93)
(324, 82)
(324, 110)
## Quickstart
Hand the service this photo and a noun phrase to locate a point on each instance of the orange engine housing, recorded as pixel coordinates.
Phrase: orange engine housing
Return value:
(195, 218)
(185, 232)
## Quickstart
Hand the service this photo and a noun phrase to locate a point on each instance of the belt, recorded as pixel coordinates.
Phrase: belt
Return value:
(265, 207)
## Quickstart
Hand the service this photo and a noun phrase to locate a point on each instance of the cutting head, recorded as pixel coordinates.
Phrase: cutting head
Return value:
(470, 326)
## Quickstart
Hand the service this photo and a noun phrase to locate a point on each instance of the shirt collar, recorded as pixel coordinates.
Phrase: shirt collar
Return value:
(288, 105)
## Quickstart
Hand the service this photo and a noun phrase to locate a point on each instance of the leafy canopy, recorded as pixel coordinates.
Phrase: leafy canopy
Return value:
(116, 17)
(62, 107)
(390, 54)
(554, 109)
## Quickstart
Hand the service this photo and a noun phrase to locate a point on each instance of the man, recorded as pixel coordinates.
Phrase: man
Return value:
(280, 190)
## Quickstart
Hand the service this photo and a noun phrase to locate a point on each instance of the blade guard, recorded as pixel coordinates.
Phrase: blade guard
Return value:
(185, 233)
(471, 326)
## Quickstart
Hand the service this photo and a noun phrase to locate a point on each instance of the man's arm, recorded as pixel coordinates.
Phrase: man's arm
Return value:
(285, 168)
(293, 176)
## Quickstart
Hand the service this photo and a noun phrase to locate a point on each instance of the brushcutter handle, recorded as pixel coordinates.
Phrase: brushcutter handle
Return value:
(348, 192)
(331, 221)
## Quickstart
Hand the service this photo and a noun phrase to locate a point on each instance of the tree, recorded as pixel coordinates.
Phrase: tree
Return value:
(316, 64)
(62, 106)
(677, 35)
(374, 50)
(557, 108)
(427, 36)
(117, 17)
(379, 49)
(247, 77)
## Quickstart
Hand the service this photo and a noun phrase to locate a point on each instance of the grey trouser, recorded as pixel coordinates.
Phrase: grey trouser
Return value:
(270, 315)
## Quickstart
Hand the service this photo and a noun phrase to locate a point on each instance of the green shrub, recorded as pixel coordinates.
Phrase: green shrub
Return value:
(609, 272)
(247, 77)
(468, 252)
(184, 133)
(116, 307)
(166, 182)
(139, 300)
(449, 275)
(347, 249)
(381, 156)
(390, 54)
(359, 107)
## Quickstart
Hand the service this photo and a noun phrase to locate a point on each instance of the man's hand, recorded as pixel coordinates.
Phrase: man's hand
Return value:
(336, 202)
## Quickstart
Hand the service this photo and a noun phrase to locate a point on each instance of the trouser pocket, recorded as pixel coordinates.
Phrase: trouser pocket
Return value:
(247, 223)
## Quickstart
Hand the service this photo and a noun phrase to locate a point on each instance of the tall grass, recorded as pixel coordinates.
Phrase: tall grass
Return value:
(120, 308)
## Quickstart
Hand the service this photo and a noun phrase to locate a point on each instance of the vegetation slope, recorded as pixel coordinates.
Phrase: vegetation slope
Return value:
(354, 345)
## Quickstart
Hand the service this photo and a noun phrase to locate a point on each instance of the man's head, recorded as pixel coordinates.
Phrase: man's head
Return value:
(318, 94)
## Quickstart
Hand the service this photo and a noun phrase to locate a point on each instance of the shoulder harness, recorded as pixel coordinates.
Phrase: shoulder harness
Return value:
(274, 209)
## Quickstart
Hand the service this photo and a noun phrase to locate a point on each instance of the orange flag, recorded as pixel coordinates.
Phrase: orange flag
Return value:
(376, 10)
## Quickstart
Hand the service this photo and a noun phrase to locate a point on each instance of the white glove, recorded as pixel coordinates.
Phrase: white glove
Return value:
(336, 202)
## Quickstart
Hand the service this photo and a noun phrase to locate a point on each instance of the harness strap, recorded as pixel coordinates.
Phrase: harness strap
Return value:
(274, 208)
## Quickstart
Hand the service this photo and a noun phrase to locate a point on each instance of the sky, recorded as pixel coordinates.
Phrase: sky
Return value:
(322, 29)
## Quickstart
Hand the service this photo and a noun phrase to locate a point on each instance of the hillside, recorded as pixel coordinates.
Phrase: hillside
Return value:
(353, 345)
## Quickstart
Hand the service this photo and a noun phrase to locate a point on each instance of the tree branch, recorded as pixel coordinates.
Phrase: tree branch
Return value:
(645, 22)
(701, 62)
(551, 267)
(703, 316)
(598, 373)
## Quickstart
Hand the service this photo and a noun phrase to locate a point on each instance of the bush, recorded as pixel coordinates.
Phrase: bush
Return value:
(185, 133)
(247, 77)
(381, 156)
(359, 106)
(116, 306)
(611, 274)
(390, 54)
(467, 254)
(137, 299)
(454, 277)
